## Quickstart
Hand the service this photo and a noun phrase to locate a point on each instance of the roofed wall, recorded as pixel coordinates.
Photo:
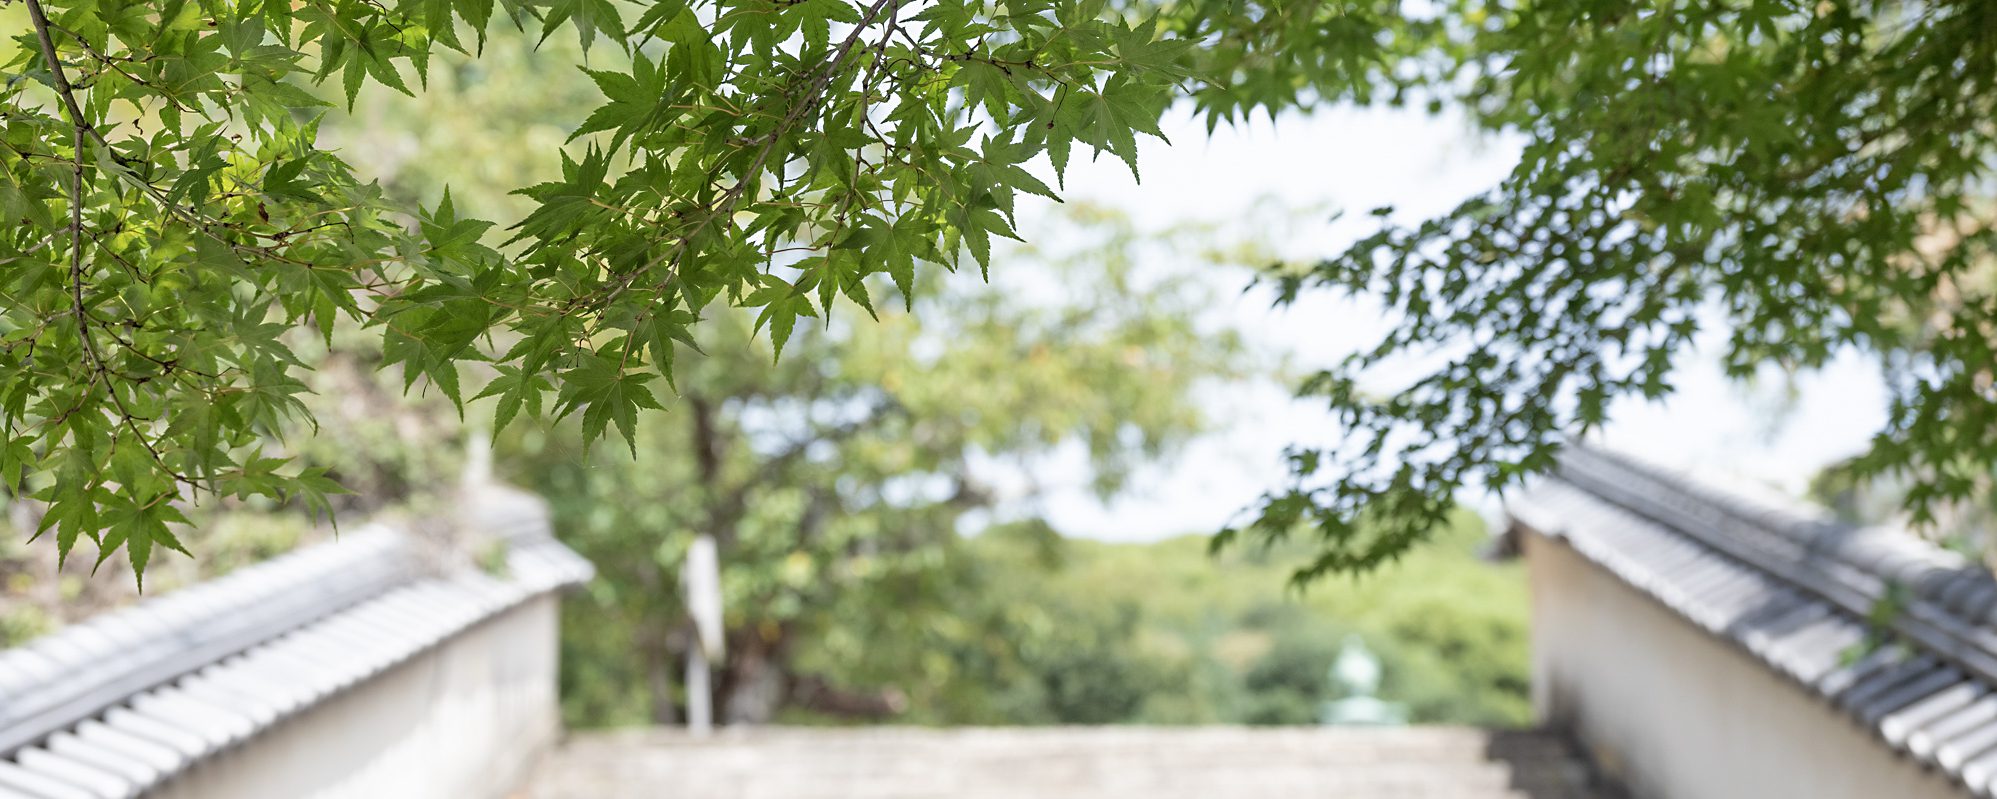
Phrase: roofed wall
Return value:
(362, 667)
(1674, 713)
(466, 719)
(1752, 612)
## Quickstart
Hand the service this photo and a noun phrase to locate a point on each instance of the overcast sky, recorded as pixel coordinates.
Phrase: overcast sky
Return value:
(1776, 431)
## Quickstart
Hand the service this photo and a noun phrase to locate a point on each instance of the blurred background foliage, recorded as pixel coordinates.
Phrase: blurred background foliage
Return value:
(836, 479)
(873, 571)
(1050, 630)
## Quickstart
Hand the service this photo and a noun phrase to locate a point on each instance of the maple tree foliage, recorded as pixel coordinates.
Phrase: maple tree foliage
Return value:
(180, 214)
(1801, 179)
(1816, 173)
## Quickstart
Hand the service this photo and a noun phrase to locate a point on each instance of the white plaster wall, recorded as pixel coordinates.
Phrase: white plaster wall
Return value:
(464, 720)
(1674, 713)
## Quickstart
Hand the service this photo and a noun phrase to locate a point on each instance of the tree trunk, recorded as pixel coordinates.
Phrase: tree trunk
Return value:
(659, 680)
(755, 684)
(655, 651)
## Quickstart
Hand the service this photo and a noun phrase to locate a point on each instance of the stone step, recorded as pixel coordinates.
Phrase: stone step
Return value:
(1063, 763)
(1239, 742)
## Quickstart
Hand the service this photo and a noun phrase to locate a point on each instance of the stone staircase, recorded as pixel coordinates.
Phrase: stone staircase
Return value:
(1065, 763)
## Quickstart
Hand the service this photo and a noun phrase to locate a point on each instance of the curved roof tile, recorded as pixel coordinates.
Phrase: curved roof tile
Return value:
(1803, 593)
(114, 705)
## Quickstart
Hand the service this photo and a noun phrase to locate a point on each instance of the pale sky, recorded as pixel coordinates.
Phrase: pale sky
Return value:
(1777, 431)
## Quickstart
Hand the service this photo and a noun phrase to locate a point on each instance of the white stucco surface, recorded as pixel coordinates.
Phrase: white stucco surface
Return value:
(464, 720)
(1675, 713)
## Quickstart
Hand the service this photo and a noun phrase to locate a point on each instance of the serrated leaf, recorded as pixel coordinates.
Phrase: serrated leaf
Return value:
(605, 394)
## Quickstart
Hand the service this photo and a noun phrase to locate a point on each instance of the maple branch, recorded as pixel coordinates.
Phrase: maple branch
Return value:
(80, 127)
(814, 93)
(67, 93)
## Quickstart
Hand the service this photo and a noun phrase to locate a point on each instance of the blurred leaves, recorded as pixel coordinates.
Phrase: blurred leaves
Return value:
(1043, 630)
(836, 480)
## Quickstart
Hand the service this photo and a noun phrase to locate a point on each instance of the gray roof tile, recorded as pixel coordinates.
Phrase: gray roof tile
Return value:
(179, 740)
(201, 716)
(97, 756)
(1799, 591)
(1872, 708)
(99, 782)
(36, 785)
(155, 755)
(1900, 725)
(1954, 753)
(1978, 772)
(1956, 730)
(116, 704)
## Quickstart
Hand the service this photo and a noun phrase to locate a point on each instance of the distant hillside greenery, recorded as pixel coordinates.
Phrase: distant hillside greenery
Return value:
(1061, 631)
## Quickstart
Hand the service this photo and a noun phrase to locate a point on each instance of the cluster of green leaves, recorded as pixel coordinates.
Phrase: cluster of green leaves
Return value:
(1816, 174)
(171, 213)
(1274, 56)
(1811, 176)
(156, 249)
(784, 177)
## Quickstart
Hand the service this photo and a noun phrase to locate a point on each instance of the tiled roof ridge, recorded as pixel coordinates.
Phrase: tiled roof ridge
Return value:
(1797, 542)
(73, 672)
(1946, 606)
(1800, 593)
(67, 677)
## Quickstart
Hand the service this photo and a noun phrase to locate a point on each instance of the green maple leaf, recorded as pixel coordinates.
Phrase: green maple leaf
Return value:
(605, 393)
(138, 527)
(588, 16)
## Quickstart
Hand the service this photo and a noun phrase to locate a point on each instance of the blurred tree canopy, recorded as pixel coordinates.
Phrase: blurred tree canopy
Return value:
(1812, 175)
(1047, 630)
(835, 482)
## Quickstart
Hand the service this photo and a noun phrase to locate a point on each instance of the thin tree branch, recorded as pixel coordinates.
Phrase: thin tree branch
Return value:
(80, 128)
(814, 93)
(62, 88)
